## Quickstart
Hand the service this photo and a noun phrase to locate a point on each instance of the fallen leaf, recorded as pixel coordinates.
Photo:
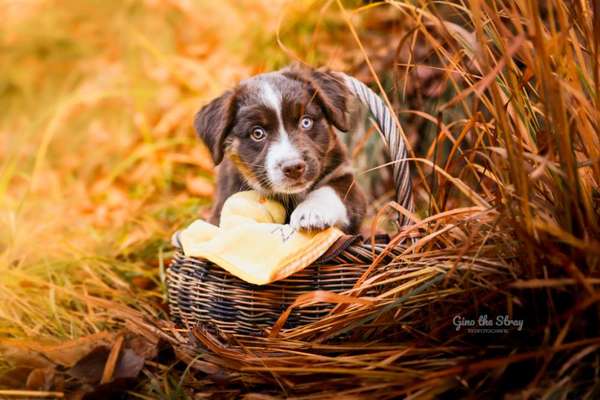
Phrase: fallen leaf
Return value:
(15, 377)
(143, 347)
(129, 366)
(105, 365)
(66, 354)
(23, 356)
(90, 368)
(41, 379)
(199, 186)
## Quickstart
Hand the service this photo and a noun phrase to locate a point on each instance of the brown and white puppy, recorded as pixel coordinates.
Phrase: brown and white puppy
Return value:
(276, 133)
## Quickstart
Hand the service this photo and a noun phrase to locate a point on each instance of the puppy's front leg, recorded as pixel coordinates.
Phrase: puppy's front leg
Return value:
(322, 208)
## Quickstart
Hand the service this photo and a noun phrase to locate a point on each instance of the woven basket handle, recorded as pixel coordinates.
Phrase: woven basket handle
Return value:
(393, 140)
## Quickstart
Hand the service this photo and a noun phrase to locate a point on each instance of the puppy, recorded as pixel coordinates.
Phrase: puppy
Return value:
(276, 133)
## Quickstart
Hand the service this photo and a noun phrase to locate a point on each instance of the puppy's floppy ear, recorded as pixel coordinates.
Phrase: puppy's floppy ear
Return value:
(213, 123)
(330, 91)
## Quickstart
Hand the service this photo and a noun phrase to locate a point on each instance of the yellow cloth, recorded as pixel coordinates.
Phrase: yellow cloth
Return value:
(252, 242)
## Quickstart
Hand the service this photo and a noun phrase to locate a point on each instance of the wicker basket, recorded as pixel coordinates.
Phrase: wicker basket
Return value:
(200, 292)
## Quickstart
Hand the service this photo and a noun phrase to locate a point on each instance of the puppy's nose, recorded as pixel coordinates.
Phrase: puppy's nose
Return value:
(293, 169)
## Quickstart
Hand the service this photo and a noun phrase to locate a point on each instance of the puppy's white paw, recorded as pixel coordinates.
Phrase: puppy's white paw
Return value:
(321, 209)
(307, 216)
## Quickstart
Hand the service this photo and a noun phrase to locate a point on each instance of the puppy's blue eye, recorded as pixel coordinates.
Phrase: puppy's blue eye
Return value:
(258, 134)
(306, 122)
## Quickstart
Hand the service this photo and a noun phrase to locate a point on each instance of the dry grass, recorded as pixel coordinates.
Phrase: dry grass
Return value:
(499, 99)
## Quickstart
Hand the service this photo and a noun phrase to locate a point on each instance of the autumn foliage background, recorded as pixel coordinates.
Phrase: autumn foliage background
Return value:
(99, 164)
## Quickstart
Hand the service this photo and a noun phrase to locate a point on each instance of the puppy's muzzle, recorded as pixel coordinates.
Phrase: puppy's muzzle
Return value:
(293, 169)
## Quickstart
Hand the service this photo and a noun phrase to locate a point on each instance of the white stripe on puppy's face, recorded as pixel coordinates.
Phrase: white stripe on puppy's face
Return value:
(281, 149)
(271, 97)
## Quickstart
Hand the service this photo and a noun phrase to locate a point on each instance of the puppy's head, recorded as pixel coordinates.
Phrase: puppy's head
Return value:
(277, 127)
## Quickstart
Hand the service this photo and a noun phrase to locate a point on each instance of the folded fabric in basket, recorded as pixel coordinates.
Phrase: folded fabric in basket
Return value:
(252, 242)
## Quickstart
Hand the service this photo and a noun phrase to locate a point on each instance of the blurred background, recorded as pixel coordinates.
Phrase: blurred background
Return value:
(97, 147)
(98, 99)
